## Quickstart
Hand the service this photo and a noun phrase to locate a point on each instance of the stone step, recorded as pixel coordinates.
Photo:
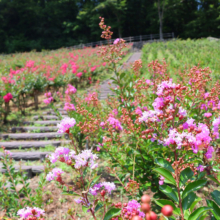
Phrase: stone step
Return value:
(46, 123)
(53, 113)
(35, 155)
(32, 144)
(30, 170)
(33, 136)
(28, 128)
(45, 117)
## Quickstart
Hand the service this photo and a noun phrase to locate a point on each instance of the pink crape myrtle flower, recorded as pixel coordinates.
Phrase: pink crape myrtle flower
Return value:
(209, 152)
(79, 74)
(99, 146)
(200, 168)
(66, 124)
(56, 172)
(207, 114)
(47, 94)
(30, 64)
(102, 124)
(215, 129)
(84, 159)
(64, 68)
(182, 112)
(165, 85)
(206, 95)
(61, 153)
(151, 115)
(161, 181)
(108, 186)
(116, 41)
(93, 68)
(8, 153)
(70, 90)
(69, 107)
(7, 97)
(48, 101)
(115, 123)
(189, 123)
(138, 111)
(133, 205)
(115, 112)
(30, 212)
(149, 82)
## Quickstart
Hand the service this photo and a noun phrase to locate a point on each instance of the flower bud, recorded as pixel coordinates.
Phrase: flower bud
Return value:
(145, 199)
(145, 207)
(167, 210)
(102, 193)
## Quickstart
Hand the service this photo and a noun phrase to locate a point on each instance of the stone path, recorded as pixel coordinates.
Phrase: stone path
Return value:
(24, 138)
(105, 88)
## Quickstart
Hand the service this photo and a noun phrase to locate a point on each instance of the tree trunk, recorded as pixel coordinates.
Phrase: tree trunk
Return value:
(160, 14)
(7, 110)
(24, 102)
(36, 100)
(161, 29)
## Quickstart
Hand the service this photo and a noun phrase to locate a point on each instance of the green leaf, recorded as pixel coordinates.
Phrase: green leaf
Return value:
(170, 192)
(216, 209)
(122, 75)
(185, 175)
(165, 173)
(203, 217)
(216, 196)
(194, 186)
(163, 202)
(113, 212)
(85, 209)
(71, 193)
(98, 206)
(94, 181)
(199, 212)
(194, 203)
(188, 200)
(164, 163)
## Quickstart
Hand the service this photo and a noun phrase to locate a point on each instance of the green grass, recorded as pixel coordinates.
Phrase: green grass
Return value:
(184, 54)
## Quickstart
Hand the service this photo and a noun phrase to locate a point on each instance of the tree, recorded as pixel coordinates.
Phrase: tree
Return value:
(161, 7)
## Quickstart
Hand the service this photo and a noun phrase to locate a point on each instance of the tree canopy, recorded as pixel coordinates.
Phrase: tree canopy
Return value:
(49, 24)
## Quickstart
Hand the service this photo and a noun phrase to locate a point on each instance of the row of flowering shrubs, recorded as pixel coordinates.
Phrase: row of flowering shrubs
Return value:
(157, 134)
(27, 75)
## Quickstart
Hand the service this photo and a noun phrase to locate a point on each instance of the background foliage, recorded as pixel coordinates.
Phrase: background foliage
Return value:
(48, 24)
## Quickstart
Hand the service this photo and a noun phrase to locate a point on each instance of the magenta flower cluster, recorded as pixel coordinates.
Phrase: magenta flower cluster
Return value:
(66, 124)
(115, 123)
(56, 172)
(49, 97)
(30, 212)
(8, 97)
(69, 107)
(133, 206)
(85, 159)
(215, 125)
(61, 153)
(199, 141)
(165, 85)
(108, 186)
(8, 153)
(70, 90)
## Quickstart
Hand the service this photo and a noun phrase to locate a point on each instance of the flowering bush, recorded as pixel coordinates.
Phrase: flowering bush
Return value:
(40, 72)
(156, 134)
